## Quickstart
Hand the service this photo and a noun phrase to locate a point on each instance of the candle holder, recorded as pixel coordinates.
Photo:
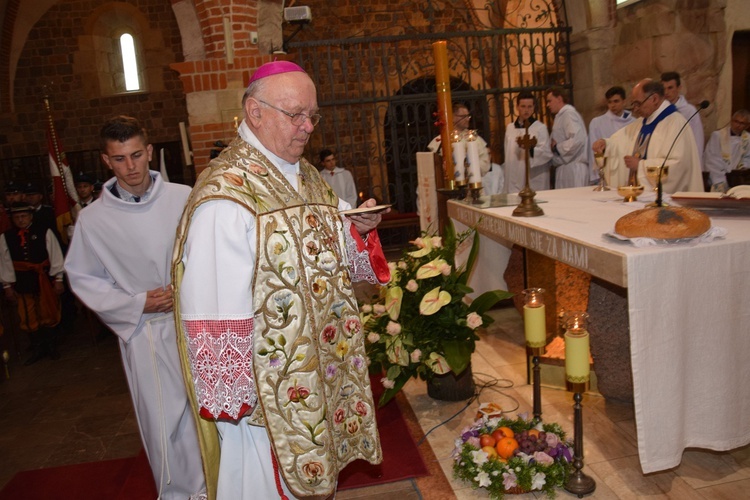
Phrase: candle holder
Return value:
(535, 330)
(527, 207)
(577, 376)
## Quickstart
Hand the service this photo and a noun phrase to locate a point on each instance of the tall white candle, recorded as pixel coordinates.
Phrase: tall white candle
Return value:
(459, 156)
(472, 147)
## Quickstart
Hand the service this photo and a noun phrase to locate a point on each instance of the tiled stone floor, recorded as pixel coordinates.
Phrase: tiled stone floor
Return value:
(78, 409)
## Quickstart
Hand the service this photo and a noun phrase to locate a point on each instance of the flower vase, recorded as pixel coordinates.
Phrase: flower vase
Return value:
(452, 387)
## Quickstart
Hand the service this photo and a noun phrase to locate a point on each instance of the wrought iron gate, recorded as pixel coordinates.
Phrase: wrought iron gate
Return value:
(377, 96)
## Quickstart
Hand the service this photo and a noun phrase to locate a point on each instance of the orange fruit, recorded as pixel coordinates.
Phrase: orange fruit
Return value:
(502, 432)
(486, 440)
(533, 432)
(506, 446)
(490, 451)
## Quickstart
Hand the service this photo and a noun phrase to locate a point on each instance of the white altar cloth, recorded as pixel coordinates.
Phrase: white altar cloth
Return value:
(688, 309)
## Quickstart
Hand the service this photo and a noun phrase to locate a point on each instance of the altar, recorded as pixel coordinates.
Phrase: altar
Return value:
(689, 321)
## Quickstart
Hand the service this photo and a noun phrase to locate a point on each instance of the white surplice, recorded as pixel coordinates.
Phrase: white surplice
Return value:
(515, 159)
(601, 127)
(570, 154)
(219, 257)
(342, 183)
(696, 124)
(120, 250)
(684, 164)
(726, 152)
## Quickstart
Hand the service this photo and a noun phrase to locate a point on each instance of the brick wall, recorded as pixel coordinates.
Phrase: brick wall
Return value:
(48, 58)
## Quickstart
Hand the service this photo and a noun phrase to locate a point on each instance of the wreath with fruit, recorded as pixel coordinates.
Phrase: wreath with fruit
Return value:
(513, 456)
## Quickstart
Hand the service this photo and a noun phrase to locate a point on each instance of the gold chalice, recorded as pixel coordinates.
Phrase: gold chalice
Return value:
(652, 174)
(601, 163)
(630, 193)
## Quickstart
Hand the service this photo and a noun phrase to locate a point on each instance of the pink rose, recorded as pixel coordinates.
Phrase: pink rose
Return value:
(338, 416)
(473, 320)
(412, 286)
(387, 383)
(543, 458)
(361, 408)
(415, 355)
(329, 334)
(373, 337)
(393, 328)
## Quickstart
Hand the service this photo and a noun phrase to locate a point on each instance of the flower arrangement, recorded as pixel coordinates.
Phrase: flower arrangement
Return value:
(513, 456)
(421, 326)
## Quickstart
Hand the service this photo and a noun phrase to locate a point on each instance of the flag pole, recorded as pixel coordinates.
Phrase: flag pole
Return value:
(53, 138)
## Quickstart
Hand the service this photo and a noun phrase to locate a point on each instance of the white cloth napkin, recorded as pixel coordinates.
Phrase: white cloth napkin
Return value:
(713, 233)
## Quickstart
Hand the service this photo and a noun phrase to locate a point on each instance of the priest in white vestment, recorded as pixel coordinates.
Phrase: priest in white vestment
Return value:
(568, 141)
(540, 156)
(119, 266)
(648, 141)
(728, 149)
(605, 125)
(270, 334)
(672, 84)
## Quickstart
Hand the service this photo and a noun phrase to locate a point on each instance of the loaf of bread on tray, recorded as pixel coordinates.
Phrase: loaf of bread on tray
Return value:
(663, 223)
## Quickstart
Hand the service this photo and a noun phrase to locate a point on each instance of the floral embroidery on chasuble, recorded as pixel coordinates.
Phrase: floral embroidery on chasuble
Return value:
(308, 356)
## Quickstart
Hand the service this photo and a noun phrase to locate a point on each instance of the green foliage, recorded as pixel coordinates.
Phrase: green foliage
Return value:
(404, 340)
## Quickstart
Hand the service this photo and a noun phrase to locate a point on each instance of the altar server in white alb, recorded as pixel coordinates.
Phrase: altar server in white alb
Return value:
(728, 149)
(119, 266)
(605, 125)
(540, 157)
(568, 141)
(672, 85)
(340, 179)
(648, 140)
(461, 119)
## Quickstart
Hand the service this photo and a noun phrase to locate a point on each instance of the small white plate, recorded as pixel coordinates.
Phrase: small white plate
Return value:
(365, 210)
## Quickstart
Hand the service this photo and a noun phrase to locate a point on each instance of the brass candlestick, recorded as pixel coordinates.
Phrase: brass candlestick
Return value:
(527, 207)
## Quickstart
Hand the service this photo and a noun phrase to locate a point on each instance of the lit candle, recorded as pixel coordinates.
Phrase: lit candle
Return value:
(534, 320)
(577, 358)
(473, 155)
(459, 156)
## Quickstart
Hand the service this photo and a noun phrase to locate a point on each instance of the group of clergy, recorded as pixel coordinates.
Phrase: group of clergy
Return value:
(630, 140)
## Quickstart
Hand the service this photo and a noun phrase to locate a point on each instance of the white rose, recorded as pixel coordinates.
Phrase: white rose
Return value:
(473, 320)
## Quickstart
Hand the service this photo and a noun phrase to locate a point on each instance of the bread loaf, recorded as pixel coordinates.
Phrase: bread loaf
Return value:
(663, 223)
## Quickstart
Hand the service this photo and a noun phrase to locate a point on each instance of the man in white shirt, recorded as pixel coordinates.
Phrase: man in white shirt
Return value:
(540, 157)
(649, 139)
(340, 179)
(605, 125)
(672, 84)
(568, 141)
(728, 149)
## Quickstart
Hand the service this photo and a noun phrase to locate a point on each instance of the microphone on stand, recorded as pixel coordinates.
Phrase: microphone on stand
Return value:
(702, 105)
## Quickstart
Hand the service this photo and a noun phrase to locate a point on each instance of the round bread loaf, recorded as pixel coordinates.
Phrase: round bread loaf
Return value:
(664, 223)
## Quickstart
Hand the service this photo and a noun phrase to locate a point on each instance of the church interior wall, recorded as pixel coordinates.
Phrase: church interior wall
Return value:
(191, 78)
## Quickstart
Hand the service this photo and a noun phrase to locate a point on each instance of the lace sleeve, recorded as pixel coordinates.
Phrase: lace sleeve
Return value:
(366, 259)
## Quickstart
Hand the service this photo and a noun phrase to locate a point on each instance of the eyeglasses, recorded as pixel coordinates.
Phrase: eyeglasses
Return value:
(461, 117)
(298, 119)
(637, 104)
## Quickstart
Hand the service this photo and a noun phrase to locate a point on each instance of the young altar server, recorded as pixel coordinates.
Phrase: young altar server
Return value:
(605, 125)
(119, 266)
(540, 157)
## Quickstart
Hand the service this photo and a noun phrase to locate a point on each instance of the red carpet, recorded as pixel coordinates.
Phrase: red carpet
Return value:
(130, 478)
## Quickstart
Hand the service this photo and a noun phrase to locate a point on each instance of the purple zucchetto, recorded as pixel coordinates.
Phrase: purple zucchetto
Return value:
(274, 68)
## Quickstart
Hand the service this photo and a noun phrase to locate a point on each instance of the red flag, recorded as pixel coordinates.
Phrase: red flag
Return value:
(63, 189)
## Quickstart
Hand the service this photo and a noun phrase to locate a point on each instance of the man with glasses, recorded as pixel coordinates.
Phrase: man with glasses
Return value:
(649, 140)
(672, 85)
(461, 119)
(728, 149)
(269, 331)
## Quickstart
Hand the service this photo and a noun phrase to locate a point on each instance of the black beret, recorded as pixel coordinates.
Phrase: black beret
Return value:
(32, 188)
(84, 178)
(12, 187)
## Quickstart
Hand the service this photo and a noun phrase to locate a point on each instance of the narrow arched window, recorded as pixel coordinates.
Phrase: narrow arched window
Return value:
(129, 62)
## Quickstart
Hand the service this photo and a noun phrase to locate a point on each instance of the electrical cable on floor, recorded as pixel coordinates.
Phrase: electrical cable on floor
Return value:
(491, 383)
